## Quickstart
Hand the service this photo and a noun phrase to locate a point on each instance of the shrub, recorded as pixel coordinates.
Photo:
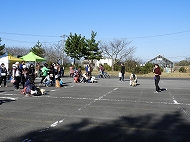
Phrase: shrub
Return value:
(117, 67)
(182, 69)
(107, 67)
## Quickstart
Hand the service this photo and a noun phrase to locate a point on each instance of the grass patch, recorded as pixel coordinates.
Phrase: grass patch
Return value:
(127, 74)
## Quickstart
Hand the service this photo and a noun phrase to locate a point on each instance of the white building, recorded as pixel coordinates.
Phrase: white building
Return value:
(97, 63)
(103, 61)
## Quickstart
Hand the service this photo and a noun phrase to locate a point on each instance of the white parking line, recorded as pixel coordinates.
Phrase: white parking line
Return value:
(9, 98)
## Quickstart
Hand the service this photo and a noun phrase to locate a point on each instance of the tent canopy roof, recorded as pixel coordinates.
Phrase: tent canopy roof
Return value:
(32, 57)
(12, 58)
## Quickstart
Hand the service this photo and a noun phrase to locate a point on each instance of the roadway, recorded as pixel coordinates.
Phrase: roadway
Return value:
(106, 111)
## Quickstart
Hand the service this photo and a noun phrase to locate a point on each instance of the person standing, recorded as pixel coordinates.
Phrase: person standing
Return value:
(24, 75)
(157, 74)
(56, 69)
(21, 65)
(89, 70)
(62, 71)
(71, 71)
(3, 75)
(37, 70)
(16, 73)
(44, 72)
(122, 72)
(101, 71)
(31, 71)
(86, 68)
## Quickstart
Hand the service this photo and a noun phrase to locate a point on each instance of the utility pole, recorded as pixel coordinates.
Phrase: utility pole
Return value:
(63, 36)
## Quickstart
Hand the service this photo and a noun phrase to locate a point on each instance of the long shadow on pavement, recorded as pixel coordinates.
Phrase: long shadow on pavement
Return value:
(169, 128)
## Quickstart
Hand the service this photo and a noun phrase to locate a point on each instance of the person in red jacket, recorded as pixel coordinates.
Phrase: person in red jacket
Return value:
(157, 74)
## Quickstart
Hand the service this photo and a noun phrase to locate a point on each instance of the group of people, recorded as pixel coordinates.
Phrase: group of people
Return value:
(51, 76)
(79, 77)
(22, 73)
(133, 77)
(19, 73)
(25, 74)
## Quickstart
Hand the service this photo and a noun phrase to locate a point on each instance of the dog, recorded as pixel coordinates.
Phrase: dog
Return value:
(42, 91)
(57, 82)
(134, 84)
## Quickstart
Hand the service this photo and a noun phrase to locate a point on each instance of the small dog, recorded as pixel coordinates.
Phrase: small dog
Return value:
(57, 82)
(43, 91)
(134, 84)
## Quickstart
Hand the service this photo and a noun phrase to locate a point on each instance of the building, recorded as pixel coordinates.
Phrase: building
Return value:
(104, 61)
(162, 62)
(97, 63)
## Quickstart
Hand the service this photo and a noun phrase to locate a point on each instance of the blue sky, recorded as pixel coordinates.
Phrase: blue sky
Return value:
(154, 26)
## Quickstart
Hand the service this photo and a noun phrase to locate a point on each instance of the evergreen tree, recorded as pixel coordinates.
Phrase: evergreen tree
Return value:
(2, 47)
(93, 51)
(75, 46)
(38, 50)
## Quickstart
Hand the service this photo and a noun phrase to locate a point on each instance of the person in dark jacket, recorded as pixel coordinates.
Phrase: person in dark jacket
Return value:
(31, 71)
(3, 74)
(122, 72)
(29, 86)
(157, 74)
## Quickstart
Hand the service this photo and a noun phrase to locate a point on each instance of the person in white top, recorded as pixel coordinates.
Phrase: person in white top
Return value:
(16, 74)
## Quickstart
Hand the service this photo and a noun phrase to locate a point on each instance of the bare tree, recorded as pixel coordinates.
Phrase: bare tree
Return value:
(51, 53)
(17, 51)
(117, 50)
(54, 53)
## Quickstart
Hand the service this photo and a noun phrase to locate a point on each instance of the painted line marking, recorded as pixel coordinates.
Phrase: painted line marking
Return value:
(10, 98)
(175, 102)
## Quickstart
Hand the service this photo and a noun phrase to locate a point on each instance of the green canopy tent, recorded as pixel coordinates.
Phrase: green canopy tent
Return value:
(32, 58)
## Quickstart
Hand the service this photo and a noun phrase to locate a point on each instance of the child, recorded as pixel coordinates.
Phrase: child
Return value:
(61, 82)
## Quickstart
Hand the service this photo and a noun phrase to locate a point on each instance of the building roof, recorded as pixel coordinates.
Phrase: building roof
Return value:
(162, 61)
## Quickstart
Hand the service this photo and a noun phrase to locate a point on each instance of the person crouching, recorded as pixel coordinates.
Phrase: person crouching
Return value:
(29, 87)
(133, 80)
(76, 77)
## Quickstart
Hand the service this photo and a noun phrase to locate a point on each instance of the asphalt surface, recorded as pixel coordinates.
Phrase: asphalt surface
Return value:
(107, 111)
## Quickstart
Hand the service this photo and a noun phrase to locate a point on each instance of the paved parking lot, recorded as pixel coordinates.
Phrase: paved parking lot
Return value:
(106, 111)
